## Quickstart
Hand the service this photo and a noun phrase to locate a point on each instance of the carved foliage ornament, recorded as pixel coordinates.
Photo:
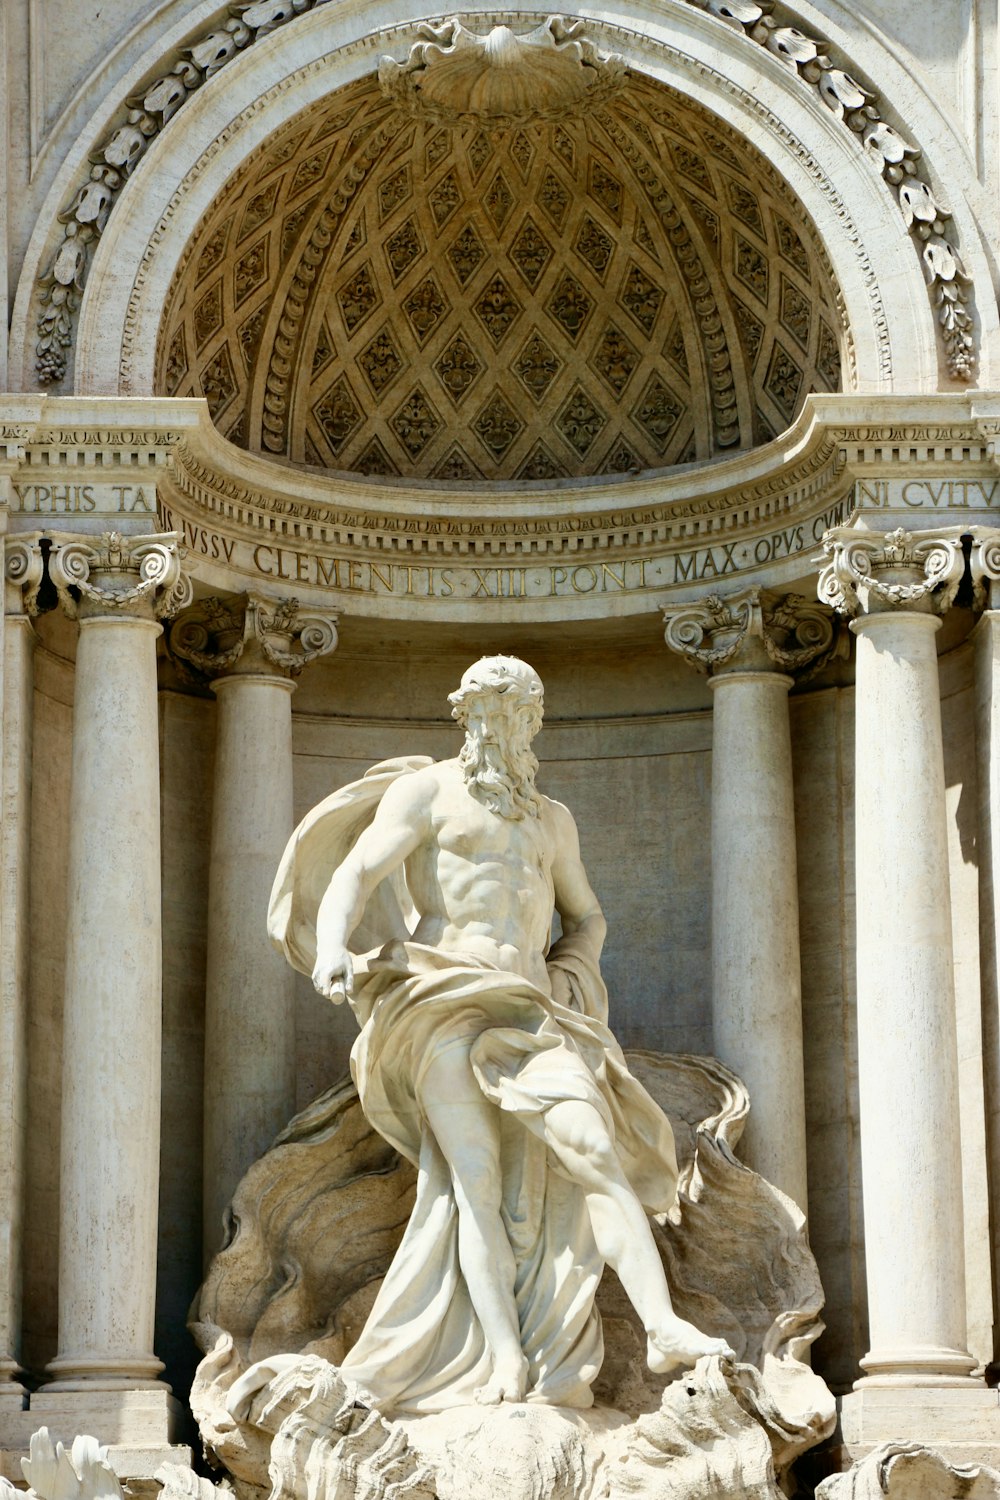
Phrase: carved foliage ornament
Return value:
(216, 633)
(924, 216)
(137, 575)
(144, 115)
(870, 571)
(791, 632)
(455, 75)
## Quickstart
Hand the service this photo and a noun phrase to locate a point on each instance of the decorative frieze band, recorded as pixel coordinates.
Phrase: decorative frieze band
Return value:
(752, 629)
(216, 634)
(870, 571)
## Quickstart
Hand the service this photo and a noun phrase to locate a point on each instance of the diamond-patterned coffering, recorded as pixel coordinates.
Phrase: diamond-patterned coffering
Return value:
(530, 252)
(497, 424)
(403, 247)
(415, 423)
(498, 200)
(580, 421)
(458, 367)
(497, 308)
(537, 365)
(615, 358)
(640, 297)
(381, 361)
(425, 307)
(657, 412)
(570, 305)
(358, 297)
(466, 254)
(338, 414)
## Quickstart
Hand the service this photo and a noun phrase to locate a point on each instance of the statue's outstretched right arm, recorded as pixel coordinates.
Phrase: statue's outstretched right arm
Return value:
(399, 826)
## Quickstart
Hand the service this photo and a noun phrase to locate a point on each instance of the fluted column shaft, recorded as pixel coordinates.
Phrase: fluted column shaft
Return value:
(249, 648)
(907, 1048)
(249, 1018)
(111, 1036)
(756, 979)
(23, 573)
(750, 642)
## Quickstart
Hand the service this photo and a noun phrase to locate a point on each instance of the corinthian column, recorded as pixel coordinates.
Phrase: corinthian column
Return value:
(251, 648)
(118, 587)
(751, 644)
(894, 588)
(24, 569)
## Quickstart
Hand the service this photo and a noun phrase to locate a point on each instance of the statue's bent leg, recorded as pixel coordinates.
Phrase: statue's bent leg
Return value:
(467, 1130)
(579, 1138)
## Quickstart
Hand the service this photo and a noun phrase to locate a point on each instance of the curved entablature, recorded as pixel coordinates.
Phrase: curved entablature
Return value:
(624, 287)
(590, 549)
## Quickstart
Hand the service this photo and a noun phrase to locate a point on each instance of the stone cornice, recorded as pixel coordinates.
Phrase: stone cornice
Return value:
(515, 551)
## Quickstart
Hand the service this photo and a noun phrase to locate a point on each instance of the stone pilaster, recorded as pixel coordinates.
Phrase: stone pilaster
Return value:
(251, 648)
(118, 588)
(751, 644)
(985, 562)
(894, 587)
(23, 573)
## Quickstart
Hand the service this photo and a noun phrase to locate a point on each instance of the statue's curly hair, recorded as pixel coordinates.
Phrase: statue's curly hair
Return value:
(500, 676)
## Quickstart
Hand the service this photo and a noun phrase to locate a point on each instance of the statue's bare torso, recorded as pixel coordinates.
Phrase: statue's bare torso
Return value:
(482, 884)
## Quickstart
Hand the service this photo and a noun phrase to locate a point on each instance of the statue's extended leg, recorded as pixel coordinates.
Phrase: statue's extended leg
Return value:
(467, 1131)
(579, 1138)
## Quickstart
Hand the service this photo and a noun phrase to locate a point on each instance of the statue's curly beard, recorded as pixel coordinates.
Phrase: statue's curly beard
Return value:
(501, 775)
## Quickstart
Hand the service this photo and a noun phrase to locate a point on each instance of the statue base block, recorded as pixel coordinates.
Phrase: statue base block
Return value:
(960, 1423)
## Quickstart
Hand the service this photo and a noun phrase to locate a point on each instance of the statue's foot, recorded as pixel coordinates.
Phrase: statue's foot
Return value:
(677, 1345)
(508, 1383)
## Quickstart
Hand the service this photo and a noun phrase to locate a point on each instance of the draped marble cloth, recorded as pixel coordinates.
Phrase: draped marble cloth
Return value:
(422, 1348)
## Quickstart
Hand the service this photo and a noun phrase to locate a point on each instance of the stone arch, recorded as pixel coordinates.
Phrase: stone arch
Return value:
(208, 142)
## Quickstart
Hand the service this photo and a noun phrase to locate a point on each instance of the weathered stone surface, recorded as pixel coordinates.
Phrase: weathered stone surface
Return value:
(909, 1471)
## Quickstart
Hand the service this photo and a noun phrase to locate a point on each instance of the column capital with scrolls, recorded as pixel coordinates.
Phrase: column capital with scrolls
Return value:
(119, 577)
(250, 633)
(752, 631)
(23, 573)
(874, 572)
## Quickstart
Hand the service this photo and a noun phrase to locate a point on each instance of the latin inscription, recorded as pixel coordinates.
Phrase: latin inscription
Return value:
(927, 494)
(84, 499)
(288, 566)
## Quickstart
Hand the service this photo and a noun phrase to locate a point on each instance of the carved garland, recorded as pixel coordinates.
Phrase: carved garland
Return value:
(144, 116)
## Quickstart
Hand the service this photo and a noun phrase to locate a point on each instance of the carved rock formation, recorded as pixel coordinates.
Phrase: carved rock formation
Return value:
(314, 1225)
(909, 1471)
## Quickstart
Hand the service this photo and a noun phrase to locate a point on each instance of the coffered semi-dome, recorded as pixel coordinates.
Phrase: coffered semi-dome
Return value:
(624, 287)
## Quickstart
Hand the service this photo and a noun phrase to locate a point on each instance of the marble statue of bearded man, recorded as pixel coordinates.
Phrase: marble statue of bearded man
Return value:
(424, 895)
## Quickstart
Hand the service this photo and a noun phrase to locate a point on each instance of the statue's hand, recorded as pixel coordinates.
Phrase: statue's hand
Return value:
(333, 976)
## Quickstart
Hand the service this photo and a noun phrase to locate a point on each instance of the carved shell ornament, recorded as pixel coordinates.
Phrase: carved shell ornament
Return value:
(455, 75)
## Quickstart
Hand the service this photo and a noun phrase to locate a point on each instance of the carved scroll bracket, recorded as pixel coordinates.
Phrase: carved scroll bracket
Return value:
(24, 572)
(872, 571)
(251, 633)
(753, 630)
(119, 575)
